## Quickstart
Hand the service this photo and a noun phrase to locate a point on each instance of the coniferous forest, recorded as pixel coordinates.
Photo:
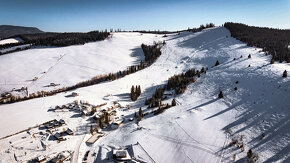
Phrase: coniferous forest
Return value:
(272, 41)
(58, 39)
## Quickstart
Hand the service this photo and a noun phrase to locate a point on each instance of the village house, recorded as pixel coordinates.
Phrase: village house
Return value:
(40, 159)
(121, 155)
(69, 131)
(58, 159)
(58, 136)
(74, 94)
(61, 121)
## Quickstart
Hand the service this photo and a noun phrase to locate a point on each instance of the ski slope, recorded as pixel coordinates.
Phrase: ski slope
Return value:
(201, 128)
(67, 66)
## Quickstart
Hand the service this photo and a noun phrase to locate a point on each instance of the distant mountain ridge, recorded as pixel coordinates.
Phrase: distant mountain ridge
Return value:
(10, 30)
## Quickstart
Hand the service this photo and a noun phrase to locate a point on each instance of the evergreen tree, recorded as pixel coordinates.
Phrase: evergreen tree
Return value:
(173, 102)
(100, 123)
(106, 115)
(250, 153)
(249, 56)
(217, 63)
(139, 90)
(147, 102)
(272, 60)
(91, 129)
(132, 94)
(202, 70)
(221, 94)
(140, 114)
(285, 74)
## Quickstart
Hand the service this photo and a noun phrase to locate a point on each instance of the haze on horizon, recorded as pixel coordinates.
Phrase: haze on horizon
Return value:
(82, 16)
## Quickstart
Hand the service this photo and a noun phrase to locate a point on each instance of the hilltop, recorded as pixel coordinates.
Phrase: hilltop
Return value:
(10, 30)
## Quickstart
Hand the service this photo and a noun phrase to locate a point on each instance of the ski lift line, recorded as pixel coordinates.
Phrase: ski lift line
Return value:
(53, 65)
(223, 150)
(179, 103)
(47, 70)
(146, 152)
(187, 156)
(205, 146)
(81, 66)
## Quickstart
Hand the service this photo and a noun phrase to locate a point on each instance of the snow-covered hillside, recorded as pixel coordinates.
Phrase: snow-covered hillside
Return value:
(67, 66)
(10, 40)
(198, 130)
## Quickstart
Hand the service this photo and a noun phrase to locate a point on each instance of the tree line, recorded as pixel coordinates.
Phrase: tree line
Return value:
(272, 41)
(58, 39)
(201, 27)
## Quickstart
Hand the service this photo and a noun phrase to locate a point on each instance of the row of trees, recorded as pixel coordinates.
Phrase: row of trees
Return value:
(208, 25)
(135, 92)
(201, 27)
(151, 52)
(273, 41)
(63, 39)
(178, 83)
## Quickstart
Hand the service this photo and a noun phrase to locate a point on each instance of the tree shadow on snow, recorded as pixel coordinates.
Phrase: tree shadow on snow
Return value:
(138, 54)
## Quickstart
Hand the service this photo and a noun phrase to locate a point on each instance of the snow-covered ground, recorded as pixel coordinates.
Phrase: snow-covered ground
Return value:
(10, 40)
(198, 130)
(67, 66)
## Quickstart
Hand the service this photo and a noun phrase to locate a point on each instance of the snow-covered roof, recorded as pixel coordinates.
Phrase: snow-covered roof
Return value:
(121, 154)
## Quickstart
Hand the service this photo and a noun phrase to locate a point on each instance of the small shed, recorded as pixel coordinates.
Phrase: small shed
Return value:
(35, 78)
(48, 125)
(61, 121)
(74, 94)
(121, 155)
(23, 88)
(69, 131)
(58, 136)
(55, 123)
(85, 112)
(59, 158)
(53, 84)
(6, 95)
(40, 159)
(119, 122)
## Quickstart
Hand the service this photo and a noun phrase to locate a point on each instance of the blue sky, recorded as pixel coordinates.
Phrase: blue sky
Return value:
(87, 15)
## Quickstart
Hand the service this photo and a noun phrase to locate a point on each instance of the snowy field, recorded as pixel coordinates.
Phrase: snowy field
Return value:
(10, 40)
(198, 130)
(67, 66)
